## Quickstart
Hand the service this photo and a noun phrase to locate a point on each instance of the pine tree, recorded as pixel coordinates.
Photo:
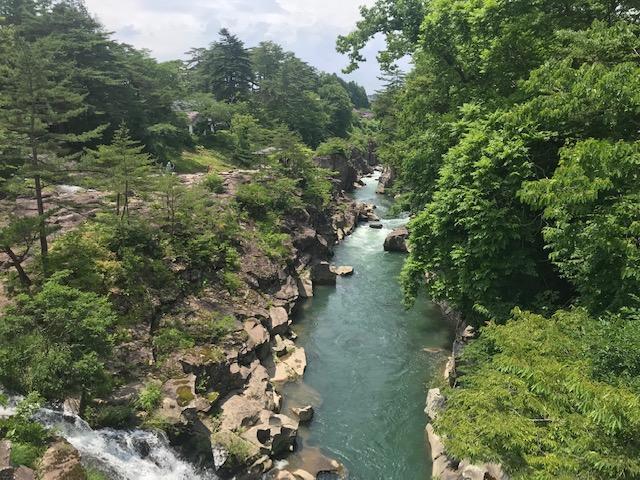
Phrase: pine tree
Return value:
(37, 99)
(225, 68)
(121, 167)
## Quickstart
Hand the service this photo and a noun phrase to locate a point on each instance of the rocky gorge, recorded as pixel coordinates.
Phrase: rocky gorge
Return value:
(220, 400)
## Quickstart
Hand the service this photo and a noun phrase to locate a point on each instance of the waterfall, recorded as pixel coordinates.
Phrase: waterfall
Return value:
(120, 454)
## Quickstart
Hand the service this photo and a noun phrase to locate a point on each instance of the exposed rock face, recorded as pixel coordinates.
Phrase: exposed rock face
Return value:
(305, 284)
(24, 473)
(445, 467)
(61, 462)
(386, 180)
(377, 226)
(322, 274)
(346, 173)
(5, 453)
(278, 322)
(435, 403)
(396, 241)
(291, 366)
(347, 170)
(304, 414)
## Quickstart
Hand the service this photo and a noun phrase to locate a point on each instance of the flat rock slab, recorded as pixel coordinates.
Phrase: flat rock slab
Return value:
(291, 367)
(343, 271)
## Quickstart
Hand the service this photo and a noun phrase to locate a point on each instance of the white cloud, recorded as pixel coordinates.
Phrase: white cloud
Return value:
(169, 28)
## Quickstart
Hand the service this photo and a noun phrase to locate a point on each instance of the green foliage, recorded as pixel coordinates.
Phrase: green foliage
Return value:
(536, 404)
(28, 438)
(93, 474)
(150, 397)
(593, 205)
(258, 200)
(224, 69)
(231, 281)
(335, 146)
(121, 167)
(169, 340)
(214, 183)
(55, 341)
(400, 22)
(26, 454)
(110, 416)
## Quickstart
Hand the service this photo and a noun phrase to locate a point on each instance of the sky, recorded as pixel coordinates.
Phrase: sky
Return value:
(309, 28)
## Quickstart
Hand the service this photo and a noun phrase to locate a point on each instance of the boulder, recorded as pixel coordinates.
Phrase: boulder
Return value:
(258, 337)
(304, 414)
(435, 403)
(377, 226)
(288, 293)
(435, 443)
(61, 461)
(291, 366)
(396, 241)
(386, 180)
(302, 475)
(305, 284)
(343, 271)
(5, 453)
(232, 453)
(24, 473)
(180, 400)
(274, 434)
(284, 475)
(278, 321)
(322, 274)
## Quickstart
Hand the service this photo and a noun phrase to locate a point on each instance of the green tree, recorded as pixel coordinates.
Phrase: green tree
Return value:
(532, 397)
(37, 99)
(17, 238)
(55, 342)
(224, 69)
(592, 202)
(398, 20)
(122, 167)
(338, 107)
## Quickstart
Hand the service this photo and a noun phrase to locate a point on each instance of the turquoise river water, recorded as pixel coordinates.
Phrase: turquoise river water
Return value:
(369, 360)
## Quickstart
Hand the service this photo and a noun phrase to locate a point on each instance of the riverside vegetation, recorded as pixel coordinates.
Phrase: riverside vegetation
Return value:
(515, 140)
(156, 217)
(146, 207)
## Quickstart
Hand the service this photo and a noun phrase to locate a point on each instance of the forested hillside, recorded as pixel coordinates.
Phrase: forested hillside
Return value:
(516, 142)
(152, 228)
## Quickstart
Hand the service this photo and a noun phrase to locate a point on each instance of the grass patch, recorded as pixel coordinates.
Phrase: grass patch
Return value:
(26, 454)
(202, 160)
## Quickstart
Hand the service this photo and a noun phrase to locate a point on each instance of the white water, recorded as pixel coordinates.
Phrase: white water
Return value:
(120, 454)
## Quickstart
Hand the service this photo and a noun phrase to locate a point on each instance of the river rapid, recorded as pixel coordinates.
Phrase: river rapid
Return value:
(369, 360)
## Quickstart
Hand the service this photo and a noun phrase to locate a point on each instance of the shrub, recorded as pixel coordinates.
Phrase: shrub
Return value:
(533, 401)
(231, 281)
(335, 146)
(214, 183)
(55, 341)
(110, 416)
(26, 454)
(149, 398)
(169, 340)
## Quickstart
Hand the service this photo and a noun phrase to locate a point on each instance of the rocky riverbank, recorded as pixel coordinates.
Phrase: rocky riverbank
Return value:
(221, 399)
(446, 467)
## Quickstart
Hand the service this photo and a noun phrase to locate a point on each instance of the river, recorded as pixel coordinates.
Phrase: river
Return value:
(368, 364)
